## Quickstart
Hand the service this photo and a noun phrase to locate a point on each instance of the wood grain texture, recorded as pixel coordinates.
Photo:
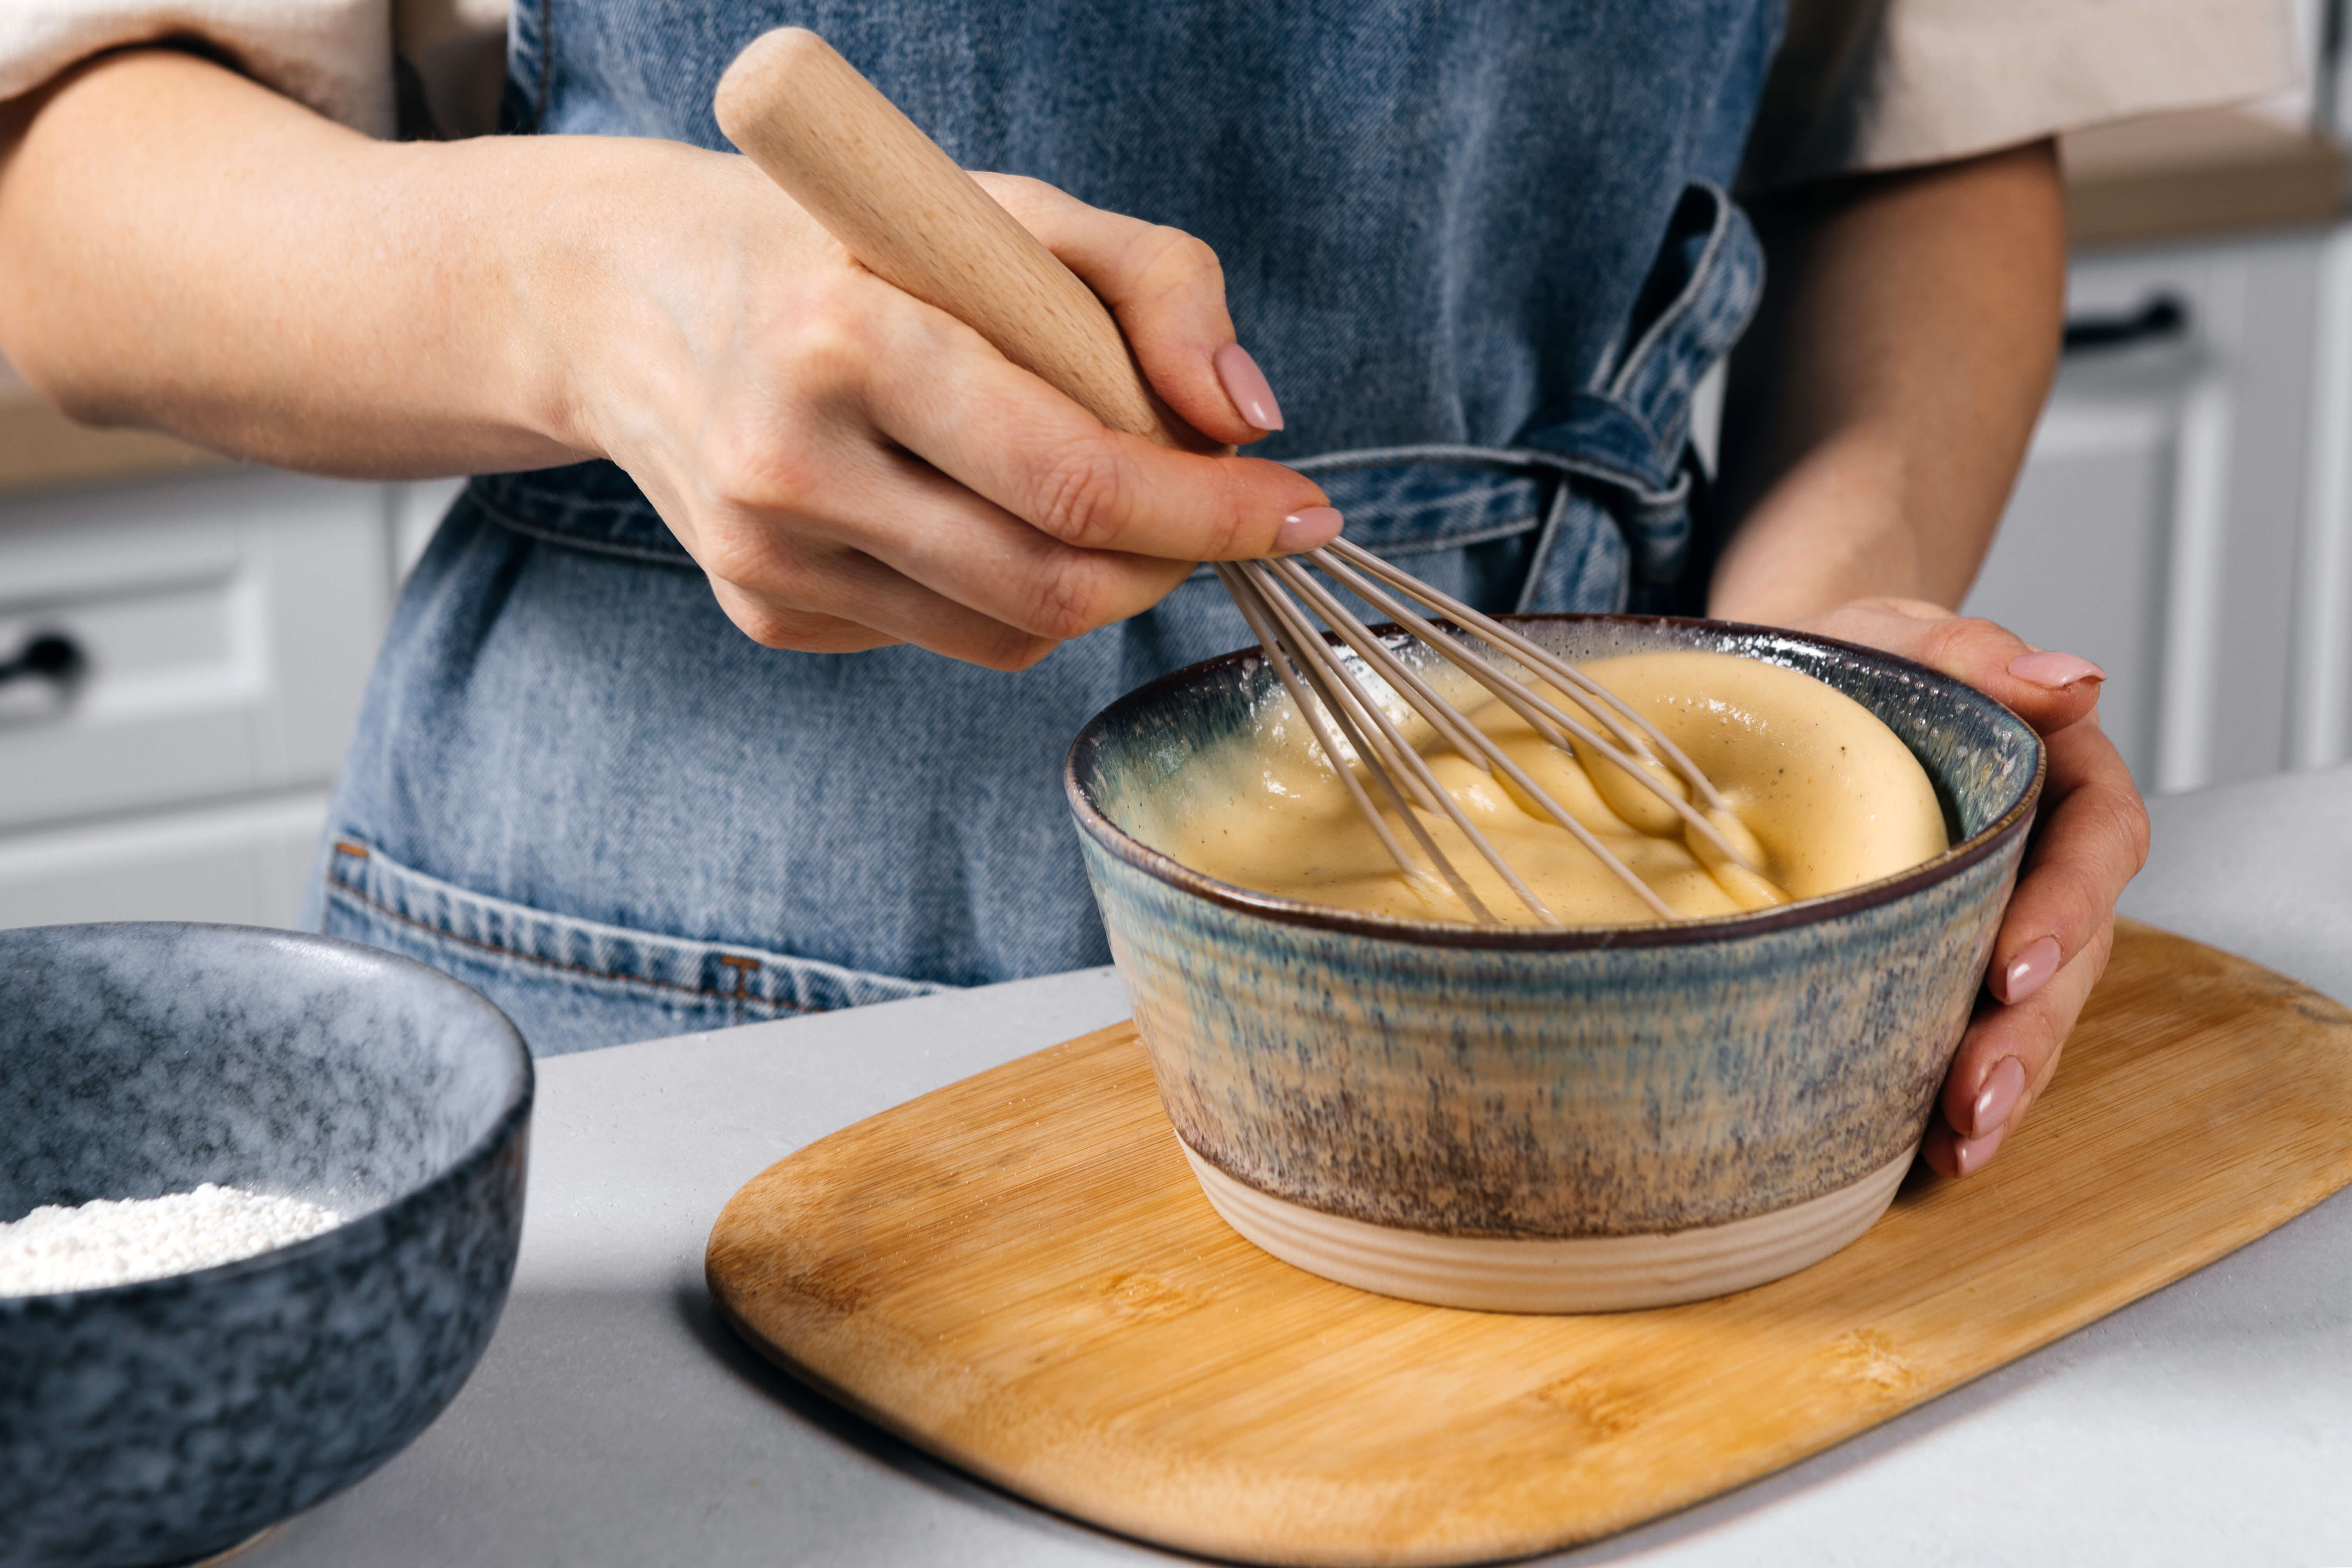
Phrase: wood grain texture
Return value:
(904, 210)
(1018, 1274)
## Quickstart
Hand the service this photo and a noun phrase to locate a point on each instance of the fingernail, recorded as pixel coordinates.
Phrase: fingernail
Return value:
(1245, 384)
(2055, 670)
(2030, 970)
(1970, 1154)
(1998, 1098)
(1309, 530)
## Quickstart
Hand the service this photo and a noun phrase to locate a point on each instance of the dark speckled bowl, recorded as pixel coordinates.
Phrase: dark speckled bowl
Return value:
(1551, 1119)
(159, 1421)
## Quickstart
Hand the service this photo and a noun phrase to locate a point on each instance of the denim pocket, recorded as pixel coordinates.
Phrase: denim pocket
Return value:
(573, 985)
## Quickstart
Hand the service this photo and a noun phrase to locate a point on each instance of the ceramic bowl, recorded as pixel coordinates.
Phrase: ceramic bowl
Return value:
(168, 1420)
(1527, 1120)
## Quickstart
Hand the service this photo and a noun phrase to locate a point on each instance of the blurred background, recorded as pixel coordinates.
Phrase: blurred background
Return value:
(182, 640)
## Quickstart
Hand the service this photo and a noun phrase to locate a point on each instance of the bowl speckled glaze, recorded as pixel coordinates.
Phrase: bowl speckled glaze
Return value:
(1532, 1120)
(167, 1420)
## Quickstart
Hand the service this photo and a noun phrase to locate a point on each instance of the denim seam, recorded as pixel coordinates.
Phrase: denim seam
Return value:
(1684, 303)
(1539, 559)
(580, 541)
(1507, 458)
(336, 887)
(1395, 550)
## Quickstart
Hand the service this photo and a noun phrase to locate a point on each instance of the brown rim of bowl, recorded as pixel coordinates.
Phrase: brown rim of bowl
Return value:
(2013, 820)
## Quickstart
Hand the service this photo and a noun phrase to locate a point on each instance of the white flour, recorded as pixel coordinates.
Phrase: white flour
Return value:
(114, 1243)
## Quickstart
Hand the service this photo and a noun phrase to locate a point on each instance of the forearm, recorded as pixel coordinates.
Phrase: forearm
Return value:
(184, 250)
(1882, 403)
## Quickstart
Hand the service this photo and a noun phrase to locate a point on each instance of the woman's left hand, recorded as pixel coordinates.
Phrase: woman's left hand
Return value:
(2090, 838)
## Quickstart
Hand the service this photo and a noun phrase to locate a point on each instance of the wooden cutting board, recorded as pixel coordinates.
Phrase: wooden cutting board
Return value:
(1018, 1274)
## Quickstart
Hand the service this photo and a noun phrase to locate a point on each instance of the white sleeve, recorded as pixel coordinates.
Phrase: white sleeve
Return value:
(335, 56)
(1888, 84)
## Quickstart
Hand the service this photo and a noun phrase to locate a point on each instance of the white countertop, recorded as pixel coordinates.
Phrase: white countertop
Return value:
(615, 1420)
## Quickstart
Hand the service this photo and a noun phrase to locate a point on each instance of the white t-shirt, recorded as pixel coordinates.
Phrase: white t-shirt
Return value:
(1859, 84)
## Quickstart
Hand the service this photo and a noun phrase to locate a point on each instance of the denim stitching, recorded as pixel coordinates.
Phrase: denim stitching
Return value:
(1694, 291)
(556, 535)
(337, 886)
(1503, 457)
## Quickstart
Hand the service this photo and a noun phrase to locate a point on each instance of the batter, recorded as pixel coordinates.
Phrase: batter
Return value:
(1824, 796)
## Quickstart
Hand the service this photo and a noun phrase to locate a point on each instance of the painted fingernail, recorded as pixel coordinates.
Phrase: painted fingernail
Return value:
(1970, 1154)
(1246, 386)
(1309, 530)
(1990, 1115)
(2055, 670)
(2030, 970)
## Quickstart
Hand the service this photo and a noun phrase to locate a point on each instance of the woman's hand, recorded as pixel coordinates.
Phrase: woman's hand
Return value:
(850, 467)
(853, 468)
(2090, 837)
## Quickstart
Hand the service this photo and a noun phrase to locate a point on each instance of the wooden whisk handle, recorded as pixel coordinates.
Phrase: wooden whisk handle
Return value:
(905, 209)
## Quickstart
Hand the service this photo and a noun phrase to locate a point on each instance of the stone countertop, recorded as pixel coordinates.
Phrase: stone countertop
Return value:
(615, 1420)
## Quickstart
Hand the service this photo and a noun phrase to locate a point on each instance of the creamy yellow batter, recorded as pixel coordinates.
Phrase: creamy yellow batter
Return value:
(1824, 796)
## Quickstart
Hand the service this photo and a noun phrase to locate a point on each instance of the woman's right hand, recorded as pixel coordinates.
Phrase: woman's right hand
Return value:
(853, 468)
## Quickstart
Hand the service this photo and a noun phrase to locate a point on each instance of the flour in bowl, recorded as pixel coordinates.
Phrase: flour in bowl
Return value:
(107, 1242)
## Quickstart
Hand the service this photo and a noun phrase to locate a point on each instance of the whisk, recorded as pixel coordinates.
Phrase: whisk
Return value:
(908, 214)
(1637, 748)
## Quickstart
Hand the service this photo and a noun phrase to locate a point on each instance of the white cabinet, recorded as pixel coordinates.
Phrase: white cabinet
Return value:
(243, 863)
(224, 623)
(2167, 522)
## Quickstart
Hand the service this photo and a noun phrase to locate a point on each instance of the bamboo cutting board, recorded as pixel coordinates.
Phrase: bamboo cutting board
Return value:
(1018, 1274)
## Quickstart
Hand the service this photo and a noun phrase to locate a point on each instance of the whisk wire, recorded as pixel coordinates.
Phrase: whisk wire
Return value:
(1474, 743)
(1246, 598)
(1612, 710)
(1546, 718)
(1275, 597)
(1316, 654)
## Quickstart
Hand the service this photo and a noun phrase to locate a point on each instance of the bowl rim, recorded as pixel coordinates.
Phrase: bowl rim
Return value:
(2015, 818)
(504, 1128)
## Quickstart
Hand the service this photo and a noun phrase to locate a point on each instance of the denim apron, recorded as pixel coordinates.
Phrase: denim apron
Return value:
(1482, 250)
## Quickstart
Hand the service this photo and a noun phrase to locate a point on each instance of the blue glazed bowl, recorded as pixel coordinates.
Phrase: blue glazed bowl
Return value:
(163, 1420)
(1753, 1087)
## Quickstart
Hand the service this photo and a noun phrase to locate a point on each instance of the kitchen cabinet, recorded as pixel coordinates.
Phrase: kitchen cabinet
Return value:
(174, 762)
(2161, 524)
(2184, 517)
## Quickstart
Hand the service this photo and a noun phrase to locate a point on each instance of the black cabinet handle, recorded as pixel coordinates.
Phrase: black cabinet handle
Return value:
(47, 656)
(2162, 316)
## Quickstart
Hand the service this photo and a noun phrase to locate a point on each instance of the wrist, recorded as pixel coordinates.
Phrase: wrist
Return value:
(1834, 527)
(541, 311)
(607, 278)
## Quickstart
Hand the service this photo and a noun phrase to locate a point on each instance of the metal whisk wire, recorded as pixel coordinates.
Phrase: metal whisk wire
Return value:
(1301, 657)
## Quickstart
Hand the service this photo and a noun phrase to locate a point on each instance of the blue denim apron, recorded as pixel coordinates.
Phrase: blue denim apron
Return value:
(1481, 249)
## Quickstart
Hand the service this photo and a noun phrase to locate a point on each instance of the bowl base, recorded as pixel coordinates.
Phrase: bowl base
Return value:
(1572, 1274)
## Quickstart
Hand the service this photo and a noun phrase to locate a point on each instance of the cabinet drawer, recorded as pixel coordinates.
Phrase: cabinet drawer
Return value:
(243, 864)
(225, 626)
